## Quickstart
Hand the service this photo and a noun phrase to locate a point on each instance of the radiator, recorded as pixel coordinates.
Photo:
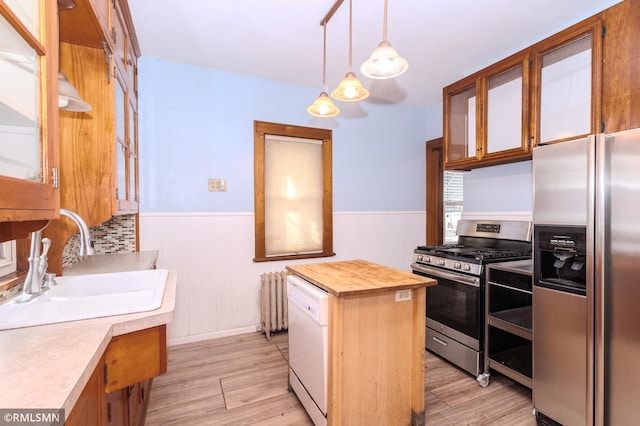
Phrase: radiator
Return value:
(274, 302)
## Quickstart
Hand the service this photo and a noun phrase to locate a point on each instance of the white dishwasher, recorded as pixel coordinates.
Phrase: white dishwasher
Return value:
(308, 340)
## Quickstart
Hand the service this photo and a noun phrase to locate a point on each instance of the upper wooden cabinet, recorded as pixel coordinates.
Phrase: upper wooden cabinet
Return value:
(98, 148)
(567, 78)
(486, 119)
(545, 93)
(28, 115)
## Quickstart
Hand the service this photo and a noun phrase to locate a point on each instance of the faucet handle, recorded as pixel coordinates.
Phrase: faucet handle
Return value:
(44, 263)
(46, 243)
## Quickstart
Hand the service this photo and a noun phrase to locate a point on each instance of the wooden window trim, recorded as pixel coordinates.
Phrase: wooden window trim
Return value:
(261, 129)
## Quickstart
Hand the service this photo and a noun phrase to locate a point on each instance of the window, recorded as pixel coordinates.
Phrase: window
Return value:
(293, 192)
(452, 201)
(444, 197)
(7, 258)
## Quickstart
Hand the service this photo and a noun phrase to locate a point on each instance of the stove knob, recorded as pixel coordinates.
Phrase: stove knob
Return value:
(419, 257)
(441, 262)
(427, 259)
(467, 267)
(457, 265)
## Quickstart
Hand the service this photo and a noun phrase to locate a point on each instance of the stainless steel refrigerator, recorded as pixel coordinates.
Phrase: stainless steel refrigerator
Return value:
(586, 293)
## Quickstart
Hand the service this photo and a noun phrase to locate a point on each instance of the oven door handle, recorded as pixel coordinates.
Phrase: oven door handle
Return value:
(463, 279)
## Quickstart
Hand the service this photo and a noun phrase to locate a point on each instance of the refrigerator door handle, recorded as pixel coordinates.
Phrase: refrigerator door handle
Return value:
(597, 272)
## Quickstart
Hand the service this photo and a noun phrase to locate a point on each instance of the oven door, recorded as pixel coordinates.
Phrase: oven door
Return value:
(455, 307)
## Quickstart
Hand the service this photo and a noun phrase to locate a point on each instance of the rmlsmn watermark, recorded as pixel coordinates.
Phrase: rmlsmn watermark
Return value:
(31, 416)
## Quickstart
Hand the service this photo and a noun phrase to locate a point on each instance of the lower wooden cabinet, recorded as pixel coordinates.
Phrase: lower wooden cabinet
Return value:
(117, 393)
(115, 409)
(89, 407)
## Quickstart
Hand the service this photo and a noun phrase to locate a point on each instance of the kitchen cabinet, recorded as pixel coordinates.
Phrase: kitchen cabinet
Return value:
(134, 357)
(547, 92)
(376, 340)
(117, 392)
(88, 409)
(29, 116)
(486, 116)
(98, 149)
(508, 325)
(567, 71)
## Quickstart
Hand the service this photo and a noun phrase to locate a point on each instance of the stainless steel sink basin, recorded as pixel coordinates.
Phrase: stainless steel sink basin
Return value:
(81, 297)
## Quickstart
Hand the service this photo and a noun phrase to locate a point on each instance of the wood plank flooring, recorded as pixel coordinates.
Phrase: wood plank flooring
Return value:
(242, 380)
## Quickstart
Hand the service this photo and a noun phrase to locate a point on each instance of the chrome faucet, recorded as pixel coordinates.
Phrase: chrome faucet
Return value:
(86, 246)
(35, 284)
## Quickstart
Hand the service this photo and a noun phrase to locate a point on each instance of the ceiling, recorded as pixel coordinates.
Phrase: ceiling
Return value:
(281, 40)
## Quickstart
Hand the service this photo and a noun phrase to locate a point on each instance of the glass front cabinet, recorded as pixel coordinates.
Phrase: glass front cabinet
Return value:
(546, 93)
(28, 112)
(486, 116)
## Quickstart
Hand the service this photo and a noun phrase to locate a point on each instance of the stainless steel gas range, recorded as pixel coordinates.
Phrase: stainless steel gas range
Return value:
(455, 307)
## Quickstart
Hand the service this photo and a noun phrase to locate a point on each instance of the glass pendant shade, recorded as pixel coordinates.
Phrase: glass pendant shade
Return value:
(323, 106)
(384, 62)
(68, 97)
(350, 89)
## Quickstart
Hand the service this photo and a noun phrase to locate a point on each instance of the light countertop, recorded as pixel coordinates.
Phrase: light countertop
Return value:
(48, 366)
(116, 262)
(351, 277)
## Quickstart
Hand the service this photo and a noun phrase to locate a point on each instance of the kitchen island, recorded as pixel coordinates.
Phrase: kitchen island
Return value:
(376, 346)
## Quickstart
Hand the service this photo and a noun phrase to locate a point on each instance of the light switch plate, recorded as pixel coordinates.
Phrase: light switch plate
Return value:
(217, 185)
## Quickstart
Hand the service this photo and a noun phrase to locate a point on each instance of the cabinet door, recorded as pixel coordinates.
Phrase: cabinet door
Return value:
(134, 357)
(507, 118)
(133, 155)
(88, 408)
(121, 141)
(461, 122)
(126, 146)
(568, 73)
(28, 110)
(115, 409)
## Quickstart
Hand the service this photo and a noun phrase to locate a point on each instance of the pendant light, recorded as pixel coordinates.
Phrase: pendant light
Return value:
(350, 89)
(323, 106)
(384, 62)
(68, 97)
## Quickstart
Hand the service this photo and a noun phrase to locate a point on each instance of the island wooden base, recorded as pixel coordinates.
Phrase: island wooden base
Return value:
(376, 373)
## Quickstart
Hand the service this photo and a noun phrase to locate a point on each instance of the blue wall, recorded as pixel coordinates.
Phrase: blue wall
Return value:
(197, 123)
(504, 188)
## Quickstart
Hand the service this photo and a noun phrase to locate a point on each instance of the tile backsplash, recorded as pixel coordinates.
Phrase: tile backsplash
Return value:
(118, 234)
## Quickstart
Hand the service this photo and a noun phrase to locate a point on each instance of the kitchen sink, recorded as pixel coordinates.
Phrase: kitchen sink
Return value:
(79, 297)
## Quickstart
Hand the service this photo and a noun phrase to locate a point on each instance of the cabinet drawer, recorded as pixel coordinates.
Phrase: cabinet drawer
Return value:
(134, 357)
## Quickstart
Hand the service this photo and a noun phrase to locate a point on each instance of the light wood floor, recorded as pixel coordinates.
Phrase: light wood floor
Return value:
(242, 380)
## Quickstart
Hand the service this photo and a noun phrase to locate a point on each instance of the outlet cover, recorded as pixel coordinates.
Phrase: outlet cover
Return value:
(217, 185)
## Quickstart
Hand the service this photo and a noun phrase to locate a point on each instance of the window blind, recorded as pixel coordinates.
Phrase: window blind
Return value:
(293, 191)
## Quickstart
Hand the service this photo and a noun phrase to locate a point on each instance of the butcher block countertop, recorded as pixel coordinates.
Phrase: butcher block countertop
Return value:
(358, 277)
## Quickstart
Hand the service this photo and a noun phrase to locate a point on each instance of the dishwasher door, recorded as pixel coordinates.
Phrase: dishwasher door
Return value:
(308, 339)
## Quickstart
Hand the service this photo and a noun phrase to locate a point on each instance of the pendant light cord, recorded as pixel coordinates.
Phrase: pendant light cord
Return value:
(384, 31)
(324, 59)
(350, 33)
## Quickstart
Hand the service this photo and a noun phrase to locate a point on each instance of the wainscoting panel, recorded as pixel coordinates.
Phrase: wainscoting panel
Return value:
(219, 284)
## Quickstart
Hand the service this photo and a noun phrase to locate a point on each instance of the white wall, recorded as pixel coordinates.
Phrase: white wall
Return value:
(218, 283)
